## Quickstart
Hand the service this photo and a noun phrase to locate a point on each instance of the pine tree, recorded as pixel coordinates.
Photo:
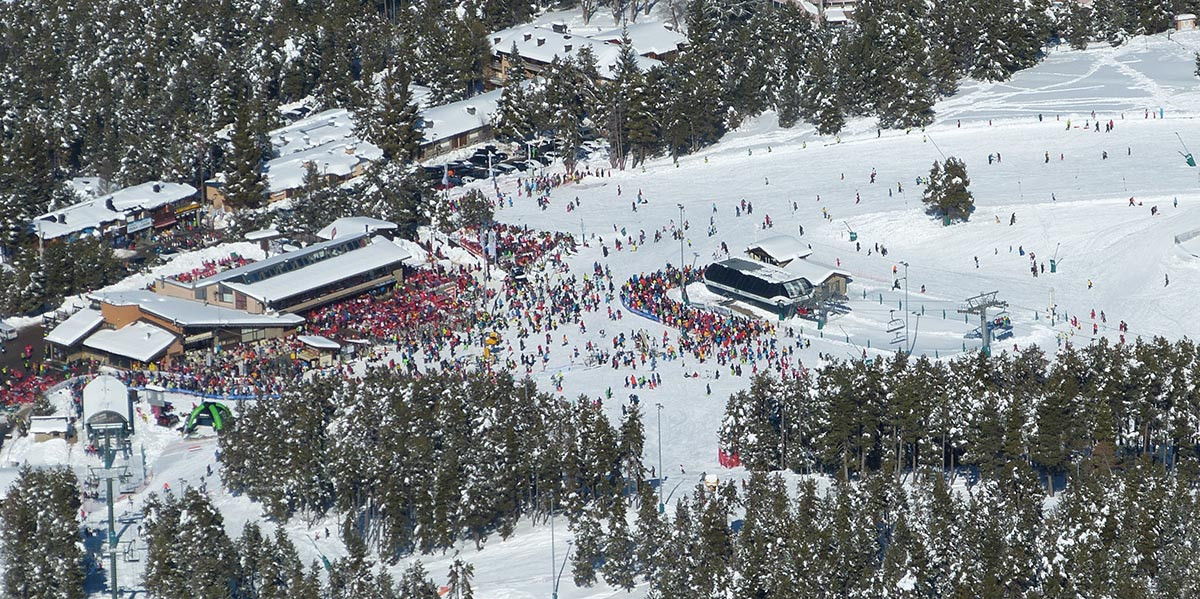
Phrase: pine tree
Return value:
(189, 554)
(588, 551)
(245, 186)
(630, 444)
(621, 100)
(714, 545)
(650, 534)
(1076, 25)
(396, 192)
(515, 113)
(256, 554)
(820, 99)
(946, 193)
(353, 576)
(39, 536)
(699, 79)
(416, 583)
(391, 123)
(619, 551)
(459, 580)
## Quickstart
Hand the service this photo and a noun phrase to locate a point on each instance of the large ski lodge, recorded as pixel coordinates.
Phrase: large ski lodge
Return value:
(301, 280)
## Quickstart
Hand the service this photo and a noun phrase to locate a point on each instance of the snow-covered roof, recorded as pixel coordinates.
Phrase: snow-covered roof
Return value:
(139, 341)
(318, 342)
(354, 224)
(324, 272)
(761, 270)
(8, 477)
(49, 425)
(89, 187)
(541, 44)
(814, 273)
(76, 327)
(420, 94)
(646, 37)
(150, 195)
(262, 234)
(336, 157)
(781, 248)
(106, 394)
(836, 15)
(188, 313)
(1187, 16)
(90, 214)
(115, 207)
(456, 118)
(312, 131)
(252, 270)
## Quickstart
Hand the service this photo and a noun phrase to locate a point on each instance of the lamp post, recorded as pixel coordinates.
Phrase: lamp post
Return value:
(682, 282)
(905, 264)
(661, 474)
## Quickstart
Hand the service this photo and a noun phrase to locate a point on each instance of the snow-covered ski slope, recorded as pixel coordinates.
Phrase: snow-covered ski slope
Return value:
(1077, 205)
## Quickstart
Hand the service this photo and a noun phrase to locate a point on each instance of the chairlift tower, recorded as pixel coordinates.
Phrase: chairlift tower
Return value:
(979, 304)
(113, 441)
(108, 420)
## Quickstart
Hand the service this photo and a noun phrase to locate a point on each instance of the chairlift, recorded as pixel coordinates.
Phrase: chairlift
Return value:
(1001, 326)
(896, 324)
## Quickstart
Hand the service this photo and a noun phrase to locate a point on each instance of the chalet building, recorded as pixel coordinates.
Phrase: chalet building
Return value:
(325, 140)
(788, 253)
(538, 45)
(828, 12)
(123, 216)
(457, 124)
(137, 328)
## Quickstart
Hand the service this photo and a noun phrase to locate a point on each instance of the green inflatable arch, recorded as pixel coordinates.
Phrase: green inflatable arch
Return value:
(208, 413)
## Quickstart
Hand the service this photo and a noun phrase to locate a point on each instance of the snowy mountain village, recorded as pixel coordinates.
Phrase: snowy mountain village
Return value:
(674, 299)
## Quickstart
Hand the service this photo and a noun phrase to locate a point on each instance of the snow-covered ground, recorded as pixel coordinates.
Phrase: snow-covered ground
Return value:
(1074, 209)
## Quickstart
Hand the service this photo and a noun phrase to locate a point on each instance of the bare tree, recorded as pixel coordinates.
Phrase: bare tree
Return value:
(589, 8)
(677, 9)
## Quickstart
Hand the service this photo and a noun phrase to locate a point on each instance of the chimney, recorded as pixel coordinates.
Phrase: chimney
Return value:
(528, 36)
(541, 41)
(157, 188)
(567, 48)
(496, 40)
(559, 27)
(62, 219)
(108, 203)
(470, 110)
